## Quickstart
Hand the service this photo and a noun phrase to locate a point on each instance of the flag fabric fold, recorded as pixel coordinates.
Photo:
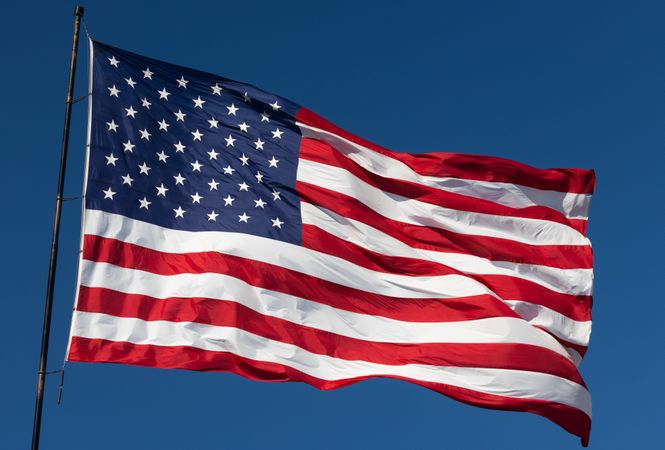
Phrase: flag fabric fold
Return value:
(229, 229)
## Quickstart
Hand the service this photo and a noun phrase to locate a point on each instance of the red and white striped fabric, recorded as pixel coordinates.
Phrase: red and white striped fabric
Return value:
(469, 275)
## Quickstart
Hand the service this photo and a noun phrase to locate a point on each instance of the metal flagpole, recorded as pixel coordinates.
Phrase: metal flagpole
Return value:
(48, 306)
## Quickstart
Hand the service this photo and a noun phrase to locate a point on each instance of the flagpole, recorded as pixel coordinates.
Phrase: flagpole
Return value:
(48, 305)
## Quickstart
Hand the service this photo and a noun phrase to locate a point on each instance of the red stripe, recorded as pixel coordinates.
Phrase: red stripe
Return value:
(324, 153)
(471, 167)
(98, 350)
(437, 239)
(279, 279)
(577, 307)
(320, 240)
(231, 314)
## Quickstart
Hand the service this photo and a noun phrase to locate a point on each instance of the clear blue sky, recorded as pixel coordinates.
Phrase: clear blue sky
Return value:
(551, 84)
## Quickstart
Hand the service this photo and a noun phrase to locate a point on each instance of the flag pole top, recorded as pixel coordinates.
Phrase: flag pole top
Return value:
(78, 12)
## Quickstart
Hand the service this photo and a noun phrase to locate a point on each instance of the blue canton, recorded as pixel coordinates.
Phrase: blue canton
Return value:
(188, 150)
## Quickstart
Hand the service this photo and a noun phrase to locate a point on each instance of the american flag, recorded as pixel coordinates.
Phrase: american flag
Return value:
(229, 229)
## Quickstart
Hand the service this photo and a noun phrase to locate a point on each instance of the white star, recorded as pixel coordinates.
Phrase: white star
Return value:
(243, 127)
(228, 200)
(162, 156)
(112, 125)
(128, 146)
(229, 141)
(131, 112)
(277, 223)
(161, 190)
(164, 94)
(277, 134)
(144, 203)
(179, 148)
(244, 217)
(114, 91)
(275, 106)
(144, 134)
(163, 125)
(273, 162)
(179, 212)
(130, 82)
(198, 103)
(127, 180)
(147, 73)
(196, 166)
(265, 117)
(213, 123)
(182, 82)
(259, 177)
(232, 110)
(259, 203)
(180, 116)
(216, 89)
(228, 170)
(111, 159)
(243, 186)
(114, 62)
(179, 179)
(212, 216)
(145, 103)
(144, 169)
(275, 195)
(108, 193)
(196, 198)
(213, 154)
(197, 135)
(246, 98)
(213, 184)
(244, 159)
(259, 144)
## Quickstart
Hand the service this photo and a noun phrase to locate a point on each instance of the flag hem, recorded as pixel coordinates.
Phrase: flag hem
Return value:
(91, 52)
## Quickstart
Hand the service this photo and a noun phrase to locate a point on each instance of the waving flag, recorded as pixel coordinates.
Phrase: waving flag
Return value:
(228, 229)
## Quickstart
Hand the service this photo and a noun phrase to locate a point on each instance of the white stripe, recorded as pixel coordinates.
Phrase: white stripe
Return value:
(574, 356)
(372, 239)
(313, 314)
(504, 382)
(573, 331)
(271, 251)
(396, 207)
(567, 281)
(508, 194)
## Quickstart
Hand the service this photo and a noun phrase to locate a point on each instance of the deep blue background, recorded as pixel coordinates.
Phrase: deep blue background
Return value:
(552, 84)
